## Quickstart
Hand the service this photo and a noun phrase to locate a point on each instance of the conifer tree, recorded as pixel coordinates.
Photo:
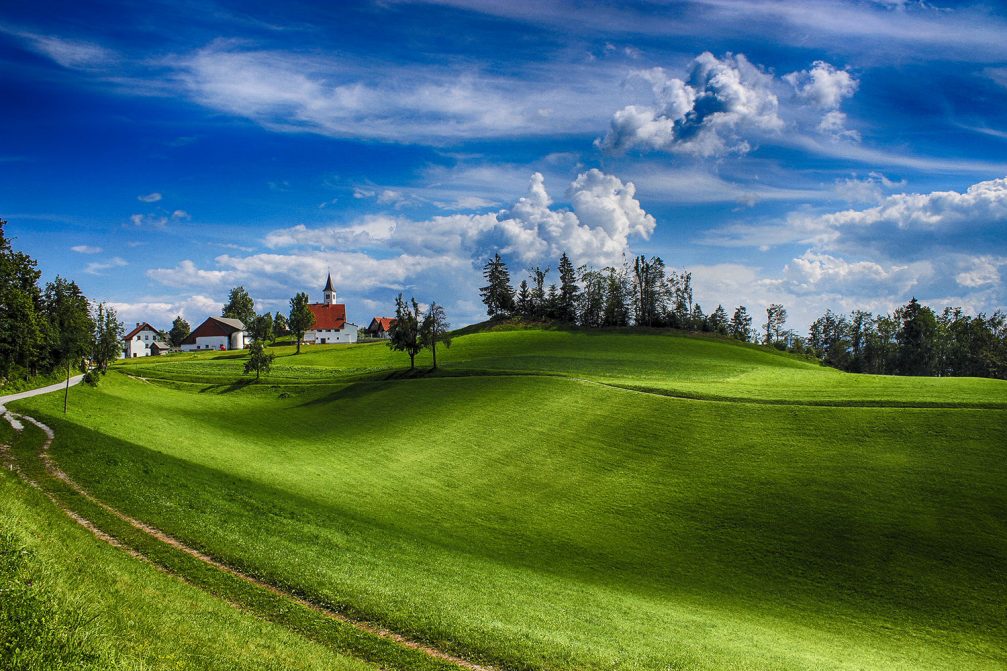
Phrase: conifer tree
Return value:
(566, 310)
(523, 304)
(741, 324)
(498, 294)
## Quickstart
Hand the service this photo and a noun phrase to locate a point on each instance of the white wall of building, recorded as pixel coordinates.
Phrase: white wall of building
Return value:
(207, 342)
(139, 344)
(347, 334)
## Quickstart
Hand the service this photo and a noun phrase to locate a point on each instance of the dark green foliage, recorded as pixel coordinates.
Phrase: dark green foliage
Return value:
(566, 300)
(261, 328)
(180, 330)
(301, 318)
(435, 329)
(405, 334)
(649, 291)
(776, 317)
(280, 327)
(107, 338)
(498, 294)
(741, 324)
(239, 306)
(718, 321)
(259, 361)
(22, 324)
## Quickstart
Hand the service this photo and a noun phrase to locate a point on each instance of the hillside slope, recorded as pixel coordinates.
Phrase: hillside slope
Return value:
(559, 521)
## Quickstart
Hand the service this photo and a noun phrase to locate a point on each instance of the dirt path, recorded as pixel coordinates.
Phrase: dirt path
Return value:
(16, 422)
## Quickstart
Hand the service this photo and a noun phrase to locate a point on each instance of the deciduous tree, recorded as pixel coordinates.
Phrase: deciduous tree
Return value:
(180, 330)
(435, 329)
(301, 318)
(239, 306)
(404, 335)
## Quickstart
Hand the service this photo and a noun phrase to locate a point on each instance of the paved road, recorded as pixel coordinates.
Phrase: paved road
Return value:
(60, 386)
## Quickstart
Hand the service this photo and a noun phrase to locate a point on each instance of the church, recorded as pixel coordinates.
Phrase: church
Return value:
(330, 320)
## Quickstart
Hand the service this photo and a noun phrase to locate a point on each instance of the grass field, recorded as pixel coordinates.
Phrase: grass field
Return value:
(564, 519)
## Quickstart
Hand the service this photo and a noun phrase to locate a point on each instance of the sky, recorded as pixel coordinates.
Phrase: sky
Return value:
(818, 154)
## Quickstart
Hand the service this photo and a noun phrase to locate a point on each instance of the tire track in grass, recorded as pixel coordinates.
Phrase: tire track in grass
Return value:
(52, 470)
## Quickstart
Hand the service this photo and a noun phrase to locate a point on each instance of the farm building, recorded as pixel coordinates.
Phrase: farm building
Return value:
(379, 327)
(219, 333)
(330, 320)
(143, 340)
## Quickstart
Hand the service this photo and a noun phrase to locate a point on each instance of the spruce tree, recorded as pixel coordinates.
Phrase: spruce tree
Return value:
(498, 294)
(568, 290)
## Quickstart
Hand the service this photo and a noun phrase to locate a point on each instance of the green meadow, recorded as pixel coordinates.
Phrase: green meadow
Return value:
(554, 500)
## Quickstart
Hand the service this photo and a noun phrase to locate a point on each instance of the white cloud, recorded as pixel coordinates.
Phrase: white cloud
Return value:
(181, 215)
(187, 274)
(723, 101)
(72, 54)
(823, 85)
(99, 267)
(823, 273)
(86, 249)
(148, 220)
(161, 312)
(982, 271)
(149, 198)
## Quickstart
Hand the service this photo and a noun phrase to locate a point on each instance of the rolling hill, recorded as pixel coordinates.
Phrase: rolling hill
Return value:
(574, 500)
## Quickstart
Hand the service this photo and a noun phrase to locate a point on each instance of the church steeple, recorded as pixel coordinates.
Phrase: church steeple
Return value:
(329, 292)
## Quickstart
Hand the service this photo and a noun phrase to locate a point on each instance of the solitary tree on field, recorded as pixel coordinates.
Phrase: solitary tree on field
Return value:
(239, 306)
(404, 335)
(498, 294)
(179, 331)
(258, 360)
(435, 329)
(301, 318)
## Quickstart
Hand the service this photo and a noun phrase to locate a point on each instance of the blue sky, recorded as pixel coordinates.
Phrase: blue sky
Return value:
(820, 154)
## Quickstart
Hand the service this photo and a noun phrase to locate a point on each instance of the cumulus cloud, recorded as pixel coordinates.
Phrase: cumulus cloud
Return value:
(724, 104)
(814, 273)
(708, 115)
(86, 249)
(161, 313)
(982, 271)
(149, 198)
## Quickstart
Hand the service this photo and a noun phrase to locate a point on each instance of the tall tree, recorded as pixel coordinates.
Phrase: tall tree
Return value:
(539, 307)
(261, 328)
(718, 320)
(404, 335)
(69, 317)
(741, 324)
(566, 309)
(616, 297)
(180, 330)
(301, 318)
(258, 360)
(916, 339)
(239, 306)
(22, 324)
(776, 317)
(107, 338)
(280, 327)
(649, 290)
(523, 303)
(498, 294)
(435, 329)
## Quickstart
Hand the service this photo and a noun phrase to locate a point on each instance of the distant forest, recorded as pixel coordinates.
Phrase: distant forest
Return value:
(913, 340)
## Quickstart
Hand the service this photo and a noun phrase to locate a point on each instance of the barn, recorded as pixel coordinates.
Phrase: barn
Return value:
(218, 333)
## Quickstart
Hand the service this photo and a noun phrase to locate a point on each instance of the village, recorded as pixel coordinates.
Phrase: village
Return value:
(329, 326)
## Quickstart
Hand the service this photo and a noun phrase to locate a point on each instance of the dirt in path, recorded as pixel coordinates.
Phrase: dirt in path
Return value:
(53, 470)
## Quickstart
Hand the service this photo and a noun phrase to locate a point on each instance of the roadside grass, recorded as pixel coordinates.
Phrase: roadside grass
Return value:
(544, 522)
(664, 362)
(70, 601)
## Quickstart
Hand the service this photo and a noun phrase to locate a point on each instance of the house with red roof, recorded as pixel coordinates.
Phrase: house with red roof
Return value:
(330, 320)
(143, 340)
(380, 326)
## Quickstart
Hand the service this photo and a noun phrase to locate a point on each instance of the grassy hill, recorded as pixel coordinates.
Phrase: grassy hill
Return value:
(538, 505)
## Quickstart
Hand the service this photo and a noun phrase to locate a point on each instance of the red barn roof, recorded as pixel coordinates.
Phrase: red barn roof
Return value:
(382, 324)
(328, 317)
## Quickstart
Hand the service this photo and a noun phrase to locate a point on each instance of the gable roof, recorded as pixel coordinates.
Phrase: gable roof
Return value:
(214, 326)
(382, 323)
(328, 317)
(142, 326)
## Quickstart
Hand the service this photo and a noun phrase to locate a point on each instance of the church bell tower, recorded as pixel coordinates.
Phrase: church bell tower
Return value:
(329, 292)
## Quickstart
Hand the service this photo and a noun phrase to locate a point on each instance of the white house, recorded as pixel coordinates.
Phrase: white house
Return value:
(216, 333)
(140, 340)
(330, 320)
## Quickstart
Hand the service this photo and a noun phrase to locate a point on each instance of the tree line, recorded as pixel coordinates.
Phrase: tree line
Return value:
(50, 329)
(913, 340)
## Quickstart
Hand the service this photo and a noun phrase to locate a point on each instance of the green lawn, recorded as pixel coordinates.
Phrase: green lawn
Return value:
(547, 521)
(700, 367)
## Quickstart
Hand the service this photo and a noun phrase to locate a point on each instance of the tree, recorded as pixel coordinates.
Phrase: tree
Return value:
(616, 297)
(404, 335)
(523, 304)
(741, 324)
(258, 360)
(179, 331)
(261, 328)
(649, 290)
(280, 327)
(435, 329)
(239, 306)
(498, 294)
(71, 326)
(776, 317)
(916, 339)
(107, 338)
(718, 321)
(697, 320)
(566, 308)
(22, 324)
(539, 307)
(301, 318)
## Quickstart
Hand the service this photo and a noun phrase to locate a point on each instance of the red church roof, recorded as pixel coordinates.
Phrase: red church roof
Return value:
(328, 317)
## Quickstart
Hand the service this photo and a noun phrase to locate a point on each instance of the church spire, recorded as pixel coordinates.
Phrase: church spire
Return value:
(329, 292)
